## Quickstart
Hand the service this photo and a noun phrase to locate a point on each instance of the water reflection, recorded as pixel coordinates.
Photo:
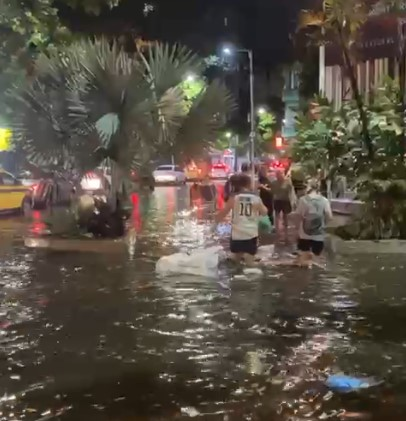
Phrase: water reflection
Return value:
(91, 337)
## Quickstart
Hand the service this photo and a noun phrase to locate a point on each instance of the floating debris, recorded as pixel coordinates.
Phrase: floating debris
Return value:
(190, 411)
(346, 384)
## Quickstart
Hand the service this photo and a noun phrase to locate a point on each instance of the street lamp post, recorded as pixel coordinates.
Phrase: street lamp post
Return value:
(228, 51)
(252, 106)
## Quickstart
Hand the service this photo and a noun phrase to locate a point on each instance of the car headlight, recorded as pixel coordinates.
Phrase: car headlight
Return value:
(91, 183)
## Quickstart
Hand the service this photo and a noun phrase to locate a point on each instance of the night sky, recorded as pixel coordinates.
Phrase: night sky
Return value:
(263, 25)
(205, 26)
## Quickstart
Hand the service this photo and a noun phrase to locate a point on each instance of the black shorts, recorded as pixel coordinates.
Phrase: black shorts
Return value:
(244, 246)
(283, 206)
(316, 247)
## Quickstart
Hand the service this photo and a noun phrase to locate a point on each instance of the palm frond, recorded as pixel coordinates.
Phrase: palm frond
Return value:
(205, 119)
(111, 77)
(42, 125)
(93, 102)
(167, 66)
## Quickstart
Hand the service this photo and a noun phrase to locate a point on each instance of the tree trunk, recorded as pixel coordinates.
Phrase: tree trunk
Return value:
(357, 95)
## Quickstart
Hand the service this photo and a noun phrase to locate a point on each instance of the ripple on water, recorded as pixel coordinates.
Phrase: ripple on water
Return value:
(85, 337)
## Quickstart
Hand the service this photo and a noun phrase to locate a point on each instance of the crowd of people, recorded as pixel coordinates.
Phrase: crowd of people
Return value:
(284, 203)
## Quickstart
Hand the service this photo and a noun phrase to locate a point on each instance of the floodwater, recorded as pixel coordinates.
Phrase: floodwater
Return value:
(88, 336)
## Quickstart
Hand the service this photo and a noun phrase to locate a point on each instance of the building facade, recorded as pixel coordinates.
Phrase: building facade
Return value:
(378, 52)
(290, 97)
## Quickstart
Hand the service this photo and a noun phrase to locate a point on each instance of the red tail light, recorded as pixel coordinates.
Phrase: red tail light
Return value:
(277, 164)
(34, 187)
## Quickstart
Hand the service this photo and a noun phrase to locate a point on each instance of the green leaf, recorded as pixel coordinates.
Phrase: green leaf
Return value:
(107, 126)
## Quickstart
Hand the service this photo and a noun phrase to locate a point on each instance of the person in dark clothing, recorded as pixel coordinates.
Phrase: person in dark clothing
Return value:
(232, 186)
(265, 192)
(208, 190)
(194, 192)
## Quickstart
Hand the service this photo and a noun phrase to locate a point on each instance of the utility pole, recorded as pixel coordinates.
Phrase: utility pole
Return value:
(236, 142)
(402, 81)
(252, 111)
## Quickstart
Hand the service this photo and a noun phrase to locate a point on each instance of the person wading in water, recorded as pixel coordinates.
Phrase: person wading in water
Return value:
(265, 192)
(283, 195)
(314, 212)
(246, 209)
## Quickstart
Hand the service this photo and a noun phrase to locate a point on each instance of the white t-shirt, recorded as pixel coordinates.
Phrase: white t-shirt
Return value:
(245, 216)
(304, 207)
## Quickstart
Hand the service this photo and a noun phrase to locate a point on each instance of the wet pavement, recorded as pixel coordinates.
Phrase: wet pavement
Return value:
(88, 336)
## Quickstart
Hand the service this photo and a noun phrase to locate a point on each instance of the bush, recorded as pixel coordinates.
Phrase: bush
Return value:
(331, 140)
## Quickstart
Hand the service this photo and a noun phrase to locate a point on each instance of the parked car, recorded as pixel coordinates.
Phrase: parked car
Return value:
(12, 193)
(219, 171)
(169, 174)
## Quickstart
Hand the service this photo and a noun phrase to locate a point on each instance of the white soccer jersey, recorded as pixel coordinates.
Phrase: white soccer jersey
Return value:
(245, 216)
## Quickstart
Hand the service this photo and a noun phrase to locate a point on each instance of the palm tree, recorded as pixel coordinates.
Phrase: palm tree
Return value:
(95, 104)
(340, 21)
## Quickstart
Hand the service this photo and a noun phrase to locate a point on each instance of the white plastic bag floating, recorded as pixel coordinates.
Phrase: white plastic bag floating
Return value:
(200, 262)
(252, 271)
(266, 252)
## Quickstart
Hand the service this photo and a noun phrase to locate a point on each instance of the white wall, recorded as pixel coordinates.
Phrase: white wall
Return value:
(370, 75)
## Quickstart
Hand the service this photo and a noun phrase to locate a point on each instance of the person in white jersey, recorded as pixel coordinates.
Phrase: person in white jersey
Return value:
(246, 209)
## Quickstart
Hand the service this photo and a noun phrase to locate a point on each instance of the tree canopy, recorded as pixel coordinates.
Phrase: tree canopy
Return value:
(93, 101)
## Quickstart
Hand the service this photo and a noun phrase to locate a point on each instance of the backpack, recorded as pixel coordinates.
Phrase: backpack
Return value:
(313, 222)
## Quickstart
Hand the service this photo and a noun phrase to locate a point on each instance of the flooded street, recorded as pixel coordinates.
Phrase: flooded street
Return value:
(88, 336)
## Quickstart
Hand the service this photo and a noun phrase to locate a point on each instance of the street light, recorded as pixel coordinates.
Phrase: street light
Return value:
(229, 135)
(190, 77)
(228, 51)
(261, 110)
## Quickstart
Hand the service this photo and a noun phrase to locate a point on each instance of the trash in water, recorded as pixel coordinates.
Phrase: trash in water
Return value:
(200, 262)
(240, 277)
(346, 384)
(252, 271)
(36, 242)
(190, 411)
(266, 253)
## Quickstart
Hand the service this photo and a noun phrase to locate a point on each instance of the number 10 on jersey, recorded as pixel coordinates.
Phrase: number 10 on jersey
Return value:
(245, 209)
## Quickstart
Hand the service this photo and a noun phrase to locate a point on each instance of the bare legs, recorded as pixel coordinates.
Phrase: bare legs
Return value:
(285, 226)
(304, 259)
(247, 259)
(281, 225)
